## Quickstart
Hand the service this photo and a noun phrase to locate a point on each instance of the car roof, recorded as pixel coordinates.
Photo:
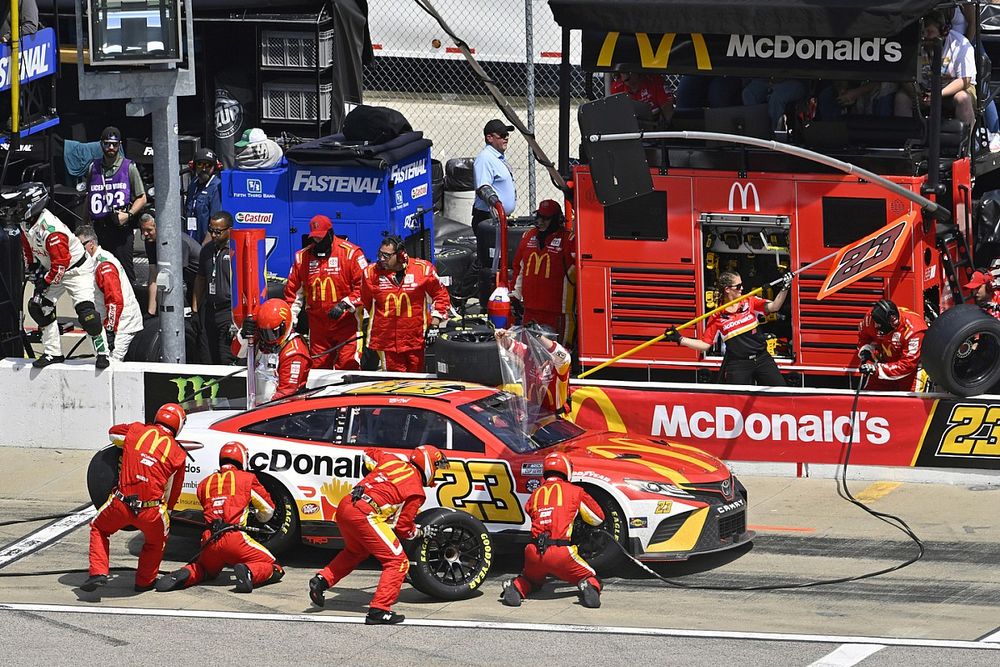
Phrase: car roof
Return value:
(451, 391)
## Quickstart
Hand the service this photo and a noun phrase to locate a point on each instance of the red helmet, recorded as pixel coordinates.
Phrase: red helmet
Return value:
(234, 452)
(172, 416)
(428, 459)
(557, 463)
(274, 321)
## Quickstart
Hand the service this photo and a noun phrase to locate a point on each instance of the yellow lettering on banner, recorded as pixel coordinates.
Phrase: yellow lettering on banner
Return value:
(659, 58)
(971, 431)
(701, 56)
(581, 395)
(607, 49)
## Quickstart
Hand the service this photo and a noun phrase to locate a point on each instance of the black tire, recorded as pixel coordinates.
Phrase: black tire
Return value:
(453, 564)
(102, 476)
(961, 351)
(284, 523)
(469, 355)
(455, 263)
(595, 547)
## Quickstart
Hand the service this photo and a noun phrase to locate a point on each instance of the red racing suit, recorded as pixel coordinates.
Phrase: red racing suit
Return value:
(116, 300)
(392, 489)
(896, 354)
(543, 279)
(319, 284)
(226, 496)
(992, 307)
(553, 507)
(152, 470)
(396, 303)
(546, 380)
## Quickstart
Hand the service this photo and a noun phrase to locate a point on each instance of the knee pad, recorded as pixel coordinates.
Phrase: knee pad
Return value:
(44, 314)
(277, 573)
(90, 319)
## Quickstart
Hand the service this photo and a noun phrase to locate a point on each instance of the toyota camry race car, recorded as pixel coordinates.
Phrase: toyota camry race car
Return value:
(662, 500)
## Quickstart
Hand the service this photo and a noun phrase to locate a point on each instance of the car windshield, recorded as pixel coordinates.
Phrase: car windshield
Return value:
(504, 415)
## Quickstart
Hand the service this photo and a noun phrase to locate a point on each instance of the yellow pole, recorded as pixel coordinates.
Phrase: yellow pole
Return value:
(15, 71)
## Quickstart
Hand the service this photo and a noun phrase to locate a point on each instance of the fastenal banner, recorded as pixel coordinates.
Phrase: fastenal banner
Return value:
(909, 431)
(876, 58)
(38, 58)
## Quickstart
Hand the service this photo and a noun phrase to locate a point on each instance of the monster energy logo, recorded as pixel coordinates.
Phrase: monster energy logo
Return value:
(197, 383)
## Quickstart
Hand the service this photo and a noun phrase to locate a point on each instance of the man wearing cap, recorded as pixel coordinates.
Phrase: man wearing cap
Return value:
(986, 295)
(204, 196)
(545, 272)
(491, 168)
(115, 196)
(326, 278)
(255, 151)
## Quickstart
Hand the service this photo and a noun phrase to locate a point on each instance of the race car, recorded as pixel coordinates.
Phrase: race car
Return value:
(662, 500)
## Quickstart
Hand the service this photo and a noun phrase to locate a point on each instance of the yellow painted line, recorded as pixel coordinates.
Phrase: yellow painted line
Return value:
(783, 529)
(923, 435)
(876, 491)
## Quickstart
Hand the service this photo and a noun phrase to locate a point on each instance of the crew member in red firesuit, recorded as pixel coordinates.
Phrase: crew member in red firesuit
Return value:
(984, 292)
(283, 362)
(553, 507)
(149, 484)
(889, 341)
(395, 291)
(746, 358)
(546, 375)
(545, 273)
(326, 278)
(227, 496)
(393, 488)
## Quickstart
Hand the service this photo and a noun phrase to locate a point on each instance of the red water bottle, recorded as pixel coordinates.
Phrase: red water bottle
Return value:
(498, 308)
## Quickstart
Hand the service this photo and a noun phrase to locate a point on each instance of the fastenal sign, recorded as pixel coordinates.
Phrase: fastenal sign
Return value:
(38, 58)
(876, 58)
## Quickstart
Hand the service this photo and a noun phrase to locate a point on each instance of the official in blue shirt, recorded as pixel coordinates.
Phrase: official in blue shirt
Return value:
(204, 196)
(491, 168)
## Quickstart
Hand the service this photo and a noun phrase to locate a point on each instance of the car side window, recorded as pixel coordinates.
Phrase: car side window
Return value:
(463, 441)
(317, 425)
(396, 427)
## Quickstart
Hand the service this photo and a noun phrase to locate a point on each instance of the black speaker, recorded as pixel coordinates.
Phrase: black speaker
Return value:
(618, 168)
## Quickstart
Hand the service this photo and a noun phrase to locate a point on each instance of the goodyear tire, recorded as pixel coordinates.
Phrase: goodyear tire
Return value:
(596, 547)
(468, 354)
(456, 265)
(284, 523)
(961, 351)
(102, 476)
(453, 564)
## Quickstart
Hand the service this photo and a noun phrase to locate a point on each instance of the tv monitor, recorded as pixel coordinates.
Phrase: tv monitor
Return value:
(749, 121)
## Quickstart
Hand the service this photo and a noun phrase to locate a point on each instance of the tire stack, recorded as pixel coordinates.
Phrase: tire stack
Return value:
(466, 350)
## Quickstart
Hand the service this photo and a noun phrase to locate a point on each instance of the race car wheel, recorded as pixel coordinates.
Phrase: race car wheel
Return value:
(284, 523)
(594, 546)
(455, 562)
(468, 354)
(102, 475)
(961, 351)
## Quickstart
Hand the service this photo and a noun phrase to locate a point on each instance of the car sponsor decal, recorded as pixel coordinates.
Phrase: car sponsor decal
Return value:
(532, 484)
(408, 387)
(309, 508)
(638, 522)
(483, 488)
(281, 460)
(531, 469)
(664, 507)
(961, 433)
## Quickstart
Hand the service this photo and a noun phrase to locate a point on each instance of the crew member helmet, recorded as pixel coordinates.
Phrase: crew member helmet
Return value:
(557, 463)
(274, 321)
(171, 416)
(428, 459)
(885, 315)
(235, 453)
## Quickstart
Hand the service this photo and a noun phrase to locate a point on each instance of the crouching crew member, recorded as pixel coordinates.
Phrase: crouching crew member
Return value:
(149, 484)
(889, 342)
(227, 496)
(394, 291)
(553, 508)
(394, 488)
(283, 361)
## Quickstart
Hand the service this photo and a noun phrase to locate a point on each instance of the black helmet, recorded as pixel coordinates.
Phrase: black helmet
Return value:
(24, 202)
(543, 330)
(885, 315)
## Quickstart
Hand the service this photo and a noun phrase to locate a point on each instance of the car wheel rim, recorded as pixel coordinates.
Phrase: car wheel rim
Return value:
(977, 356)
(455, 557)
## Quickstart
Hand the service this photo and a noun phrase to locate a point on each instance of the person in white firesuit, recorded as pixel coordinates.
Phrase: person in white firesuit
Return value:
(282, 358)
(114, 297)
(56, 262)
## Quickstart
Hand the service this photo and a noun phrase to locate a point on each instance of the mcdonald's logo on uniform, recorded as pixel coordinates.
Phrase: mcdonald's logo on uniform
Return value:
(396, 301)
(536, 259)
(220, 482)
(320, 286)
(659, 57)
(545, 493)
(157, 440)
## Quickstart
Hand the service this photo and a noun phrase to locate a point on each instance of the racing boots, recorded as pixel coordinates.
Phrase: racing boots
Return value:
(94, 582)
(316, 587)
(102, 361)
(244, 580)
(48, 360)
(590, 595)
(382, 617)
(173, 581)
(510, 596)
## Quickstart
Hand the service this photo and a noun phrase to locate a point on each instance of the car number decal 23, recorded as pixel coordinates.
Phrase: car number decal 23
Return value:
(971, 430)
(457, 486)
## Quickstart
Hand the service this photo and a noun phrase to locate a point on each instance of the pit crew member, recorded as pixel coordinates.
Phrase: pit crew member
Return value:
(149, 484)
(545, 372)
(394, 291)
(393, 488)
(889, 341)
(326, 278)
(227, 496)
(984, 292)
(283, 361)
(553, 507)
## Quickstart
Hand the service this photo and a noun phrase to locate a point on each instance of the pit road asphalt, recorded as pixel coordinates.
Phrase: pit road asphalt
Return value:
(944, 609)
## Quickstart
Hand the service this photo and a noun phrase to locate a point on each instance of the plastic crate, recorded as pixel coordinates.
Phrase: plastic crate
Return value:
(295, 49)
(292, 100)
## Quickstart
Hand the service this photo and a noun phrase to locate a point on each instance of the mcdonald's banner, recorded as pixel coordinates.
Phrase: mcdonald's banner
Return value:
(807, 426)
(760, 55)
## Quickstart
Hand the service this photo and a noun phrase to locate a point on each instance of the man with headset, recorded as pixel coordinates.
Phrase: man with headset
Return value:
(889, 340)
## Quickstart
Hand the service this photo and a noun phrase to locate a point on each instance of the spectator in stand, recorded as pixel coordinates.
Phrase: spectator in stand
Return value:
(984, 292)
(778, 94)
(114, 297)
(657, 103)
(115, 195)
(204, 196)
(958, 73)
(213, 287)
(889, 342)
(190, 251)
(27, 12)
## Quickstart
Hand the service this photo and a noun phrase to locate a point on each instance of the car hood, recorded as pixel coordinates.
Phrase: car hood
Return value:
(620, 457)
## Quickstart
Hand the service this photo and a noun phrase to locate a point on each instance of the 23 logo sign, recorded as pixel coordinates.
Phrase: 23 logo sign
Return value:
(873, 252)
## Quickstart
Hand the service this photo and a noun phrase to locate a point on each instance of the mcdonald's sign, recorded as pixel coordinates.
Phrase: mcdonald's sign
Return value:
(317, 291)
(154, 439)
(533, 264)
(395, 300)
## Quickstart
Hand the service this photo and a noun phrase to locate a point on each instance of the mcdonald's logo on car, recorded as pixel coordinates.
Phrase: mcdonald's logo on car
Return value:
(545, 495)
(220, 482)
(157, 440)
(320, 285)
(396, 301)
(745, 192)
(659, 57)
(536, 259)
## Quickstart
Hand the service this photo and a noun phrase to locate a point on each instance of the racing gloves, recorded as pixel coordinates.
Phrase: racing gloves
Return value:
(672, 335)
(786, 281)
(869, 368)
(431, 335)
(337, 311)
(249, 328)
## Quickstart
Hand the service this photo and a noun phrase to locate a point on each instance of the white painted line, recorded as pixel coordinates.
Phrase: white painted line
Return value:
(46, 535)
(848, 655)
(995, 637)
(881, 642)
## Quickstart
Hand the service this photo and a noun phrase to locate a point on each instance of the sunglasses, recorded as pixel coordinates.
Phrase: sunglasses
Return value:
(217, 232)
(385, 255)
(502, 135)
(110, 144)
(737, 287)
